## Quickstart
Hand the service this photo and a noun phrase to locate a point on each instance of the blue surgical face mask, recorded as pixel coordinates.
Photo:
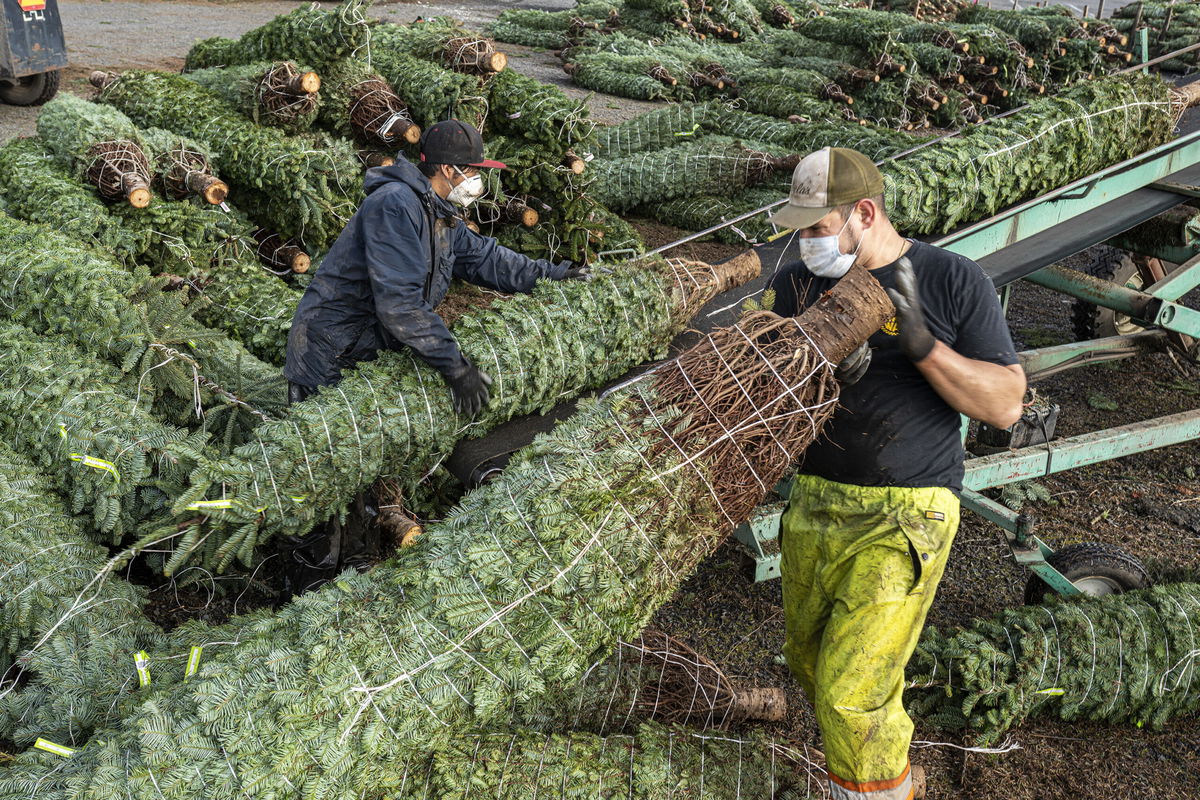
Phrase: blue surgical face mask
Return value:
(824, 257)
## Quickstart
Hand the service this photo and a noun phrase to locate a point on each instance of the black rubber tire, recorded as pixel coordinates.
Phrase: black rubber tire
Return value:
(32, 90)
(1104, 568)
(1092, 322)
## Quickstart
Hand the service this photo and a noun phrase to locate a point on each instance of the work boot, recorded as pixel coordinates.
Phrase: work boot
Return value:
(918, 781)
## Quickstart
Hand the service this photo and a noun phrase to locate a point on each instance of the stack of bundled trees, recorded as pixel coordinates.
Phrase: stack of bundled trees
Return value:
(945, 69)
(208, 250)
(299, 187)
(932, 189)
(1171, 26)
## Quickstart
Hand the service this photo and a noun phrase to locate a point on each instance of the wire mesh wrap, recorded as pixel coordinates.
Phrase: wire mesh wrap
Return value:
(304, 188)
(1128, 658)
(210, 248)
(654, 677)
(183, 167)
(394, 416)
(533, 577)
(377, 115)
(65, 621)
(306, 35)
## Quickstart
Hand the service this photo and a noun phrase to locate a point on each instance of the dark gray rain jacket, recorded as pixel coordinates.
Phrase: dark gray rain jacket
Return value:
(377, 287)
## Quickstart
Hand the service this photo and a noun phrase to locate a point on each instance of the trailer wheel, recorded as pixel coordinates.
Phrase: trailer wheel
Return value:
(1091, 321)
(32, 90)
(1096, 569)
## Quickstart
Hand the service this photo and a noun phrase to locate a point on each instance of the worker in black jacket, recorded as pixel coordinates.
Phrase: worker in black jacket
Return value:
(376, 290)
(379, 284)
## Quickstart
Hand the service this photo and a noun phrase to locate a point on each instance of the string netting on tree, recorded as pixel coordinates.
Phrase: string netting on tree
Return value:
(533, 578)
(101, 144)
(307, 35)
(1053, 142)
(393, 416)
(301, 188)
(184, 167)
(712, 165)
(67, 623)
(703, 211)
(443, 41)
(357, 103)
(651, 763)
(654, 677)
(35, 186)
(1128, 658)
(279, 94)
(431, 92)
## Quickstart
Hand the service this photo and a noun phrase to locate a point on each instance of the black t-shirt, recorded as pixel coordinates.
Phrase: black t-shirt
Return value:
(891, 428)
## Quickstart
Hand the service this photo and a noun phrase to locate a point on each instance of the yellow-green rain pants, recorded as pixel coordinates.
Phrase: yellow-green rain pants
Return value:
(860, 565)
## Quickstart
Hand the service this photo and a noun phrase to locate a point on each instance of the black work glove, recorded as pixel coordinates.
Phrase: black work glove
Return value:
(853, 366)
(578, 272)
(469, 387)
(585, 272)
(915, 339)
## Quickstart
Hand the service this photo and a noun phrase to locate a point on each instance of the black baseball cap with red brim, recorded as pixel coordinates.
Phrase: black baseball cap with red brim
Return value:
(457, 143)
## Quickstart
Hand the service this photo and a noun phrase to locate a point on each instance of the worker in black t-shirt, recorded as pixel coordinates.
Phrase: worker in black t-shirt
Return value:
(874, 508)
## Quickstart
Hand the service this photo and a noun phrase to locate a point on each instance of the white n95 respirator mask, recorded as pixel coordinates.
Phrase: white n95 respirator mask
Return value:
(467, 191)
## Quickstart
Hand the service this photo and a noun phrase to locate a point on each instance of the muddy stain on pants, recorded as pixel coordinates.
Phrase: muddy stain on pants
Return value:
(860, 565)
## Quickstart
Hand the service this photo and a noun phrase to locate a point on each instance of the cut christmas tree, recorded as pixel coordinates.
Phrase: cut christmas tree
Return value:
(533, 577)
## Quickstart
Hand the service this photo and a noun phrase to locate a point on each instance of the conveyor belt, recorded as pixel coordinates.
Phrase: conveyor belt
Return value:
(1078, 234)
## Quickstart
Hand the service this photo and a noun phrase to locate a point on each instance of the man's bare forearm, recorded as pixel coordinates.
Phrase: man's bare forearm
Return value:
(988, 392)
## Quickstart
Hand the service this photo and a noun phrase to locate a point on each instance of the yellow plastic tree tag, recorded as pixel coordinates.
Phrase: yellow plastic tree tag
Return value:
(53, 747)
(98, 463)
(207, 505)
(141, 662)
(193, 662)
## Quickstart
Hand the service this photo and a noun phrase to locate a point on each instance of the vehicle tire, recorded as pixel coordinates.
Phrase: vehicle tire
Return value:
(32, 90)
(1091, 321)
(1095, 569)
